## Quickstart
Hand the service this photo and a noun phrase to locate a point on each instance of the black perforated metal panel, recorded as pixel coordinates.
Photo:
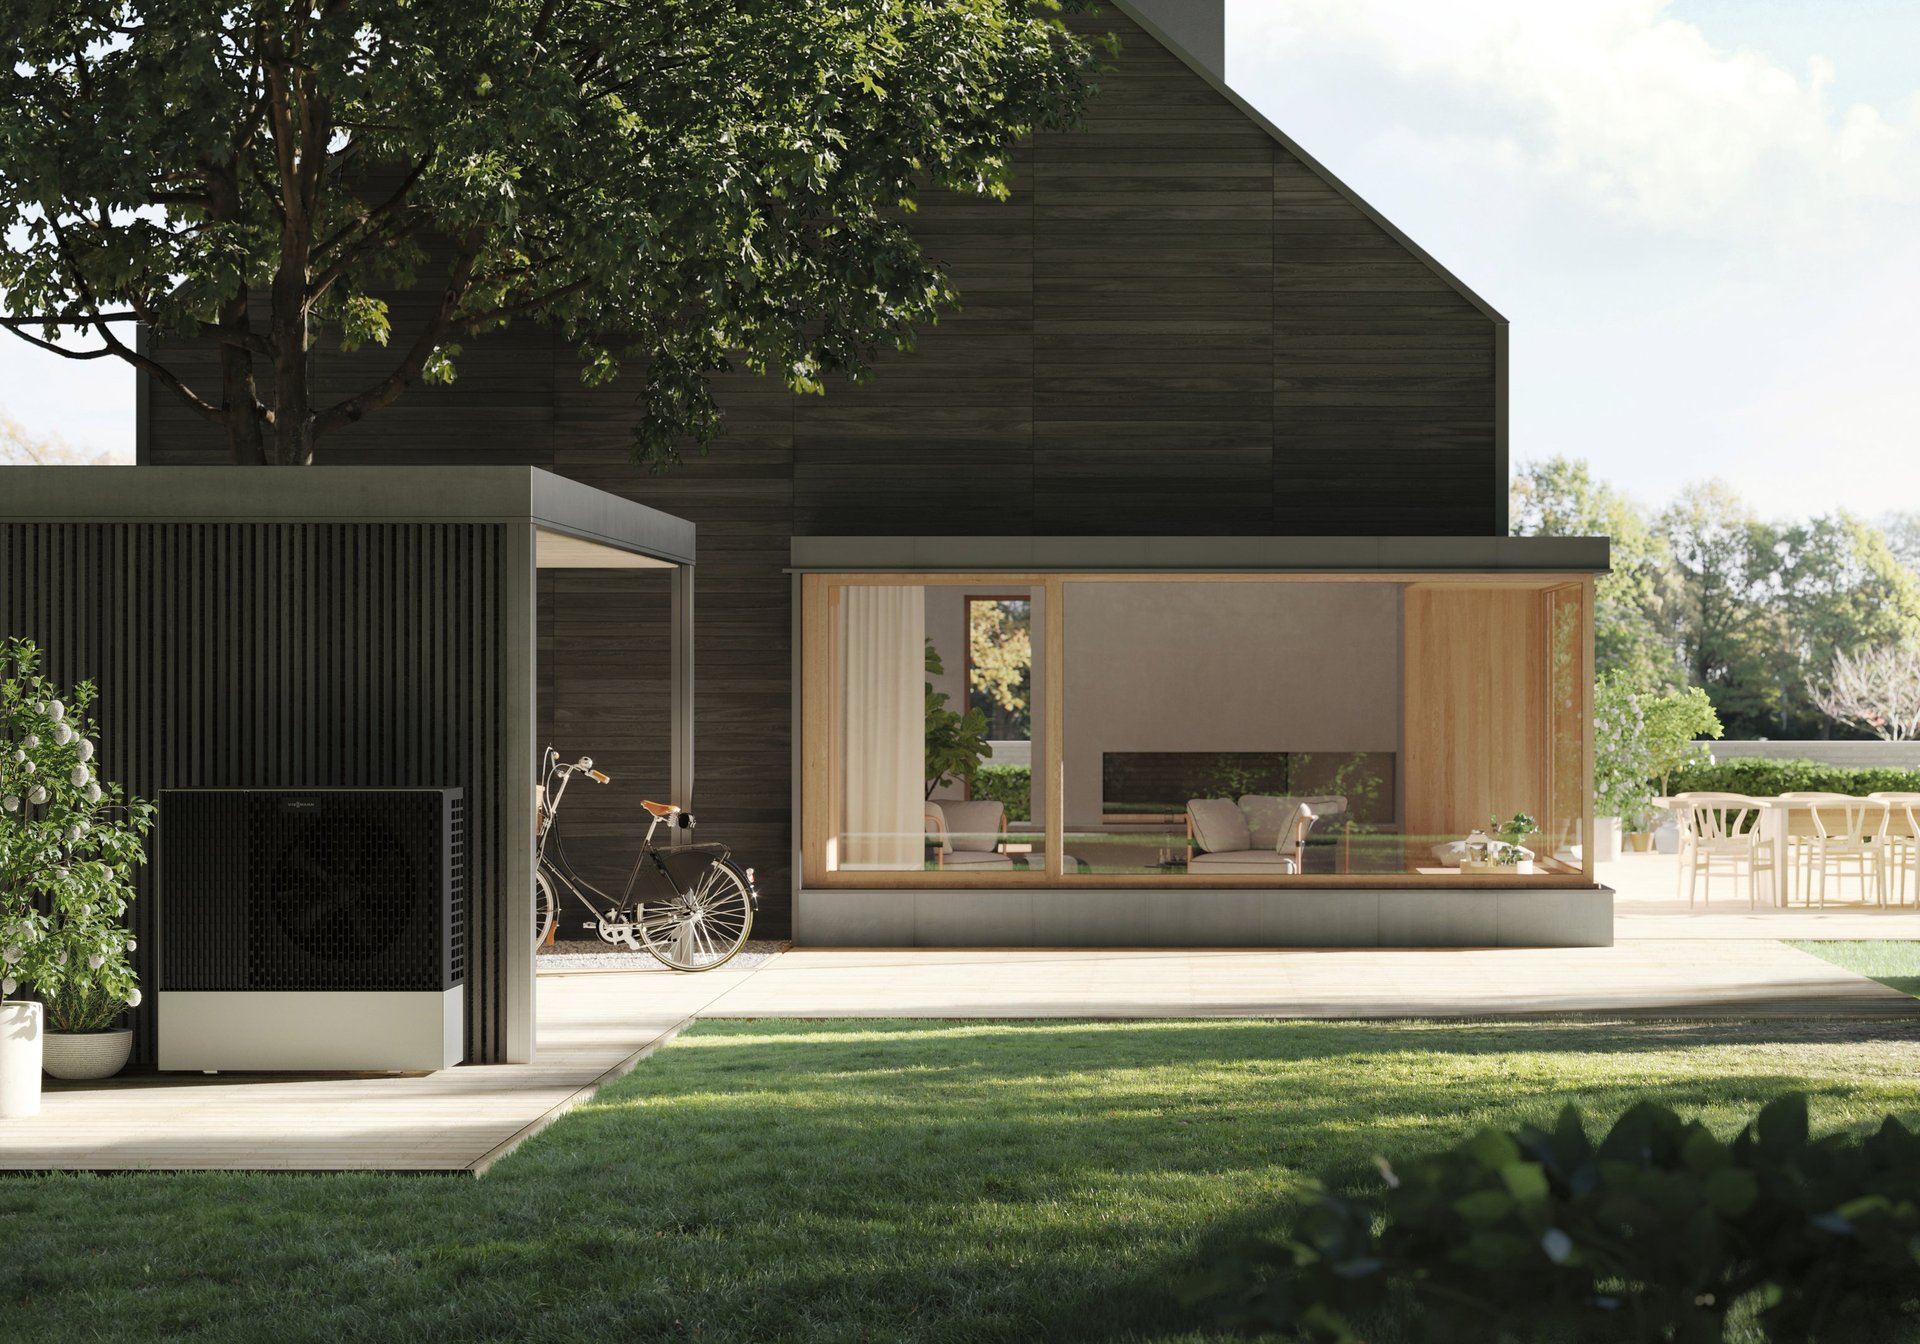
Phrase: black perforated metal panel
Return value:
(324, 889)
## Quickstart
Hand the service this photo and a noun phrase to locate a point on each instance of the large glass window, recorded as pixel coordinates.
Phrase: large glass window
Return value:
(1223, 730)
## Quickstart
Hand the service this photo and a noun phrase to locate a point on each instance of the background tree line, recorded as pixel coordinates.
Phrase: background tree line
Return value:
(1754, 611)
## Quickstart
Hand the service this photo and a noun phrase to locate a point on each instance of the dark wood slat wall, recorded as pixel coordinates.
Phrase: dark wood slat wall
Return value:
(286, 655)
(1173, 326)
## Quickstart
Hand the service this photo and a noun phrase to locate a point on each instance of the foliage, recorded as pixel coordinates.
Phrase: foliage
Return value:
(1009, 785)
(1000, 639)
(686, 186)
(1512, 833)
(20, 445)
(1674, 721)
(956, 742)
(1877, 687)
(1764, 778)
(1840, 588)
(68, 847)
(1622, 760)
(1660, 1231)
(1559, 497)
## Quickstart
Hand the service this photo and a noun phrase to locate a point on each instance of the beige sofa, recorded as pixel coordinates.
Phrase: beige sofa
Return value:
(1230, 838)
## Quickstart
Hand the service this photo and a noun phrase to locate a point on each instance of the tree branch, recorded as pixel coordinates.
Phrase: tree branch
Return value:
(384, 392)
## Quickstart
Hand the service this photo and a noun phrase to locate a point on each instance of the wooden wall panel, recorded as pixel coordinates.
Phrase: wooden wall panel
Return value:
(287, 655)
(1475, 710)
(1173, 327)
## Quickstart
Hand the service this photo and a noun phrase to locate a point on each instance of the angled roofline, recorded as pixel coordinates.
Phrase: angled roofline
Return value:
(1287, 142)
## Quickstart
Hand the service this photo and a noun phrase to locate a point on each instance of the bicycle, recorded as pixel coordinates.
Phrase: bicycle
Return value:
(698, 907)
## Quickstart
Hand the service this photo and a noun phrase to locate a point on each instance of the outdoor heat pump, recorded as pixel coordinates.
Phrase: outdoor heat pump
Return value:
(310, 929)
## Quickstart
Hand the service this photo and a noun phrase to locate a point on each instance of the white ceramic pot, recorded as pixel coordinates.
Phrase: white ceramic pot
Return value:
(21, 1037)
(76, 1055)
(1666, 836)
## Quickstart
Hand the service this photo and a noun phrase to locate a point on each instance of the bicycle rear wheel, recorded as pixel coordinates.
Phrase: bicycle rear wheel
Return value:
(706, 927)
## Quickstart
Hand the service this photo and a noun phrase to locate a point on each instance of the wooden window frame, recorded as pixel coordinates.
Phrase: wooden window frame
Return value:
(819, 796)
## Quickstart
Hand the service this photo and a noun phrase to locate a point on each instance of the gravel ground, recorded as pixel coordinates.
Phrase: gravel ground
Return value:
(597, 956)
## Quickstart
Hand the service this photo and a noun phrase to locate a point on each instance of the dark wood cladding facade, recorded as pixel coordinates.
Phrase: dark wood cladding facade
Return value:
(287, 655)
(1176, 326)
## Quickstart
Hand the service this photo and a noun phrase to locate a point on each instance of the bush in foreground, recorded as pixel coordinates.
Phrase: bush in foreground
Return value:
(1659, 1232)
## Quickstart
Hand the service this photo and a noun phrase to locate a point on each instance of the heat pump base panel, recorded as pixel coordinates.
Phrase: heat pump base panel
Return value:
(311, 1031)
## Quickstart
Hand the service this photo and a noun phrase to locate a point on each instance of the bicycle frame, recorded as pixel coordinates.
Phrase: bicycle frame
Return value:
(613, 914)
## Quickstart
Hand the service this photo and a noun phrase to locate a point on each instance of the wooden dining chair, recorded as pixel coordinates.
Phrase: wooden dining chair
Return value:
(1723, 828)
(1900, 845)
(1802, 837)
(1848, 832)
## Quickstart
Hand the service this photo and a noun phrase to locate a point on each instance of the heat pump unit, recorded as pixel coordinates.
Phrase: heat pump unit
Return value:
(310, 929)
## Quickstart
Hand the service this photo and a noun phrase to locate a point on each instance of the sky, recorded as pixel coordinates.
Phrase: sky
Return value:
(1699, 216)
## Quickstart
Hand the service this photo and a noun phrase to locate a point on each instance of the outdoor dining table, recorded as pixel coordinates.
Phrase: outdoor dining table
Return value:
(1775, 814)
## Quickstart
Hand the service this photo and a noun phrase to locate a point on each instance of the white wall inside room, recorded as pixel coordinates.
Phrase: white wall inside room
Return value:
(1226, 666)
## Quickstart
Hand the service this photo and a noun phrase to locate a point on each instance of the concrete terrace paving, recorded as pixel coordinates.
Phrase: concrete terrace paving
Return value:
(1726, 963)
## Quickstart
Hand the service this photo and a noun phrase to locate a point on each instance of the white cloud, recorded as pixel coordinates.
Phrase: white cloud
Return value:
(1619, 105)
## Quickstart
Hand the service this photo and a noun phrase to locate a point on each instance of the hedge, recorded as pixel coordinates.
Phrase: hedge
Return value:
(1011, 785)
(1765, 778)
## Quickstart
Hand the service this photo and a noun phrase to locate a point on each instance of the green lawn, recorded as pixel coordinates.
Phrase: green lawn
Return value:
(1892, 962)
(844, 1181)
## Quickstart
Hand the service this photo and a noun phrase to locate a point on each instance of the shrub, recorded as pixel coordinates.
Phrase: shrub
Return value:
(1010, 785)
(69, 842)
(1659, 1232)
(1764, 778)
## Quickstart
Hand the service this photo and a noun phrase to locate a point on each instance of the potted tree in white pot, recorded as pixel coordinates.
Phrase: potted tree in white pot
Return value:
(68, 847)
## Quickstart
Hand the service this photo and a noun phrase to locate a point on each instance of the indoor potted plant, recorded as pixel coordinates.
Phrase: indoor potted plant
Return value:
(1509, 836)
(68, 848)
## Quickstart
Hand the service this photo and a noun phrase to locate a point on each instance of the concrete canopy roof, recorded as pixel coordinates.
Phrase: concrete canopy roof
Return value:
(578, 526)
(1324, 555)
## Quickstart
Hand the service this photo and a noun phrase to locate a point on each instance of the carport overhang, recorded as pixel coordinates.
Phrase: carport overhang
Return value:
(547, 522)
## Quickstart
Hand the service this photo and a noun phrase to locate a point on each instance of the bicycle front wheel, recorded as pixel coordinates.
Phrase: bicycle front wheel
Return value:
(545, 909)
(706, 927)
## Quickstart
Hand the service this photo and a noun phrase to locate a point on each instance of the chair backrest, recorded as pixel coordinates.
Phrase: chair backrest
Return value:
(1218, 825)
(1718, 816)
(973, 826)
(1903, 813)
(1841, 816)
(1797, 818)
(1273, 820)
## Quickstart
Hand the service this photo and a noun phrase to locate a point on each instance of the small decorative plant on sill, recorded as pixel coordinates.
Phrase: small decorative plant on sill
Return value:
(1510, 834)
(68, 846)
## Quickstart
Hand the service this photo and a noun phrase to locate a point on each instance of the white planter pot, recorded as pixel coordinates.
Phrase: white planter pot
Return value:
(78, 1055)
(1666, 836)
(1606, 839)
(20, 1042)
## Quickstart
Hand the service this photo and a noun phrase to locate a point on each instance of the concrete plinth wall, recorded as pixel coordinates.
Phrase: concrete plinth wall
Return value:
(1137, 917)
(1881, 755)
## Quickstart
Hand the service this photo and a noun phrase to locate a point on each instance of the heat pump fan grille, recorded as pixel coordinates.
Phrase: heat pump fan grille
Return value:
(344, 891)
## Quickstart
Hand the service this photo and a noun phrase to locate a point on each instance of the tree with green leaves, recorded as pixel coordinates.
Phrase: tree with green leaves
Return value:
(1721, 609)
(1559, 497)
(1841, 588)
(686, 185)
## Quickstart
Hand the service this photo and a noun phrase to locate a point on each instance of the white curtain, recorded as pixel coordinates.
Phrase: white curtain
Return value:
(884, 655)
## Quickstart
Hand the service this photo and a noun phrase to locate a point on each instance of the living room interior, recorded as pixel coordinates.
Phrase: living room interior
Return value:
(1211, 730)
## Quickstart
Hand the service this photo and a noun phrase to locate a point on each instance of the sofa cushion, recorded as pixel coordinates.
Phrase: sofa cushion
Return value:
(1219, 825)
(974, 858)
(973, 826)
(1270, 816)
(1242, 861)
